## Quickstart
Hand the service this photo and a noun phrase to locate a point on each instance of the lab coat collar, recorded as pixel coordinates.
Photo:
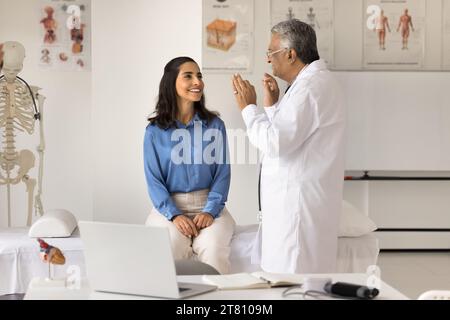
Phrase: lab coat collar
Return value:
(318, 65)
(313, 67)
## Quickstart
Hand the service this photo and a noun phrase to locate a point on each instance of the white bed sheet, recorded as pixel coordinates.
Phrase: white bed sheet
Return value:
(355, 254)
(20, 261)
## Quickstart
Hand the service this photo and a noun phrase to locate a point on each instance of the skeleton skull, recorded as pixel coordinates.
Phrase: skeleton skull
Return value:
(14, 54)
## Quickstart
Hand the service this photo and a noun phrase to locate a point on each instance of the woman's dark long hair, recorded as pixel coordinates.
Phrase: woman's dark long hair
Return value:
(166, 108)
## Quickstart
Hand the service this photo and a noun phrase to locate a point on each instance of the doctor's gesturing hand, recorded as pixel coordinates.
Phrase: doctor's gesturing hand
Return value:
(271, 90)
(244, 91)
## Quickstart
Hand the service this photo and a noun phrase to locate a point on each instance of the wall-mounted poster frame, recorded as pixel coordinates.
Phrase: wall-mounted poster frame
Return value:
(394, 34)
(65, 35)
(228, 36)
(446, 34)
(317, 13)
(359, 47)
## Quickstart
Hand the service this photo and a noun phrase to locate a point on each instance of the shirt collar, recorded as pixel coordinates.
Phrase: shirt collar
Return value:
(194, 119)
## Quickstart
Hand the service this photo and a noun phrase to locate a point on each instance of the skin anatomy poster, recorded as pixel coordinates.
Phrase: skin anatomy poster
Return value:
(317, 13)
(446, 35)
(228, 35)
(394, 34)
(65, 34)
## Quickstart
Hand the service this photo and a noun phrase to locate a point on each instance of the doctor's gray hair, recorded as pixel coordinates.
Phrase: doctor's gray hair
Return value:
(299, 36)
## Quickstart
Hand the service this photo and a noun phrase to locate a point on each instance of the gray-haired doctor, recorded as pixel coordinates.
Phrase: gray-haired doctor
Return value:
(302, 139)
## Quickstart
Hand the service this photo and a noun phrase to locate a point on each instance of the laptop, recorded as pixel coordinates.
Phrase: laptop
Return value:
(133, 259)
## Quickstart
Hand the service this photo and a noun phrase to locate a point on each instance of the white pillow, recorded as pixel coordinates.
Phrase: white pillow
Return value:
(54, 224)
(354, 223)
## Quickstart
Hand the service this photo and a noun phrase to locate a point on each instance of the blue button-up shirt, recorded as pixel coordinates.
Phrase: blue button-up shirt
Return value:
(188, 158)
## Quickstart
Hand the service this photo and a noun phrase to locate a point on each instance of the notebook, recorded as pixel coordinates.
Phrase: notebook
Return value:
(254, 280)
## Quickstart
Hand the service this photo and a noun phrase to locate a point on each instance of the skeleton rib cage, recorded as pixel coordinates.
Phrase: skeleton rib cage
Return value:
(17, 115)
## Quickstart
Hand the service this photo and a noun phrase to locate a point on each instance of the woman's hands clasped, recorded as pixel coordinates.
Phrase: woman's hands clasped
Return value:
(190, 227)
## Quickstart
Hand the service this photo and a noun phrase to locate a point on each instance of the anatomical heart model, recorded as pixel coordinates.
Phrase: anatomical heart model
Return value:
(50, 255)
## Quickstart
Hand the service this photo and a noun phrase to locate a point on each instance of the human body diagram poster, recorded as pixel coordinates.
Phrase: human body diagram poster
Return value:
(317, 13)
(65, 34)
(394, 34)
(228, 35)
(446, 34)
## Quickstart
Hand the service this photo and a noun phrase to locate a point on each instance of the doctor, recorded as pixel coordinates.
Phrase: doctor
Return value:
(301, 137)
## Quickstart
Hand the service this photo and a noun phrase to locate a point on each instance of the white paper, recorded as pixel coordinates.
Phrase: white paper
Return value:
(404, 34)
(228, 35)
(317, 13)
(65, 34)
(446, 34)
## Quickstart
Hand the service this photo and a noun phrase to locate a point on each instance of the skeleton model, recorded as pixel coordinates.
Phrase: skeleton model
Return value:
(312, 20)
(18, 113)
(290, 15)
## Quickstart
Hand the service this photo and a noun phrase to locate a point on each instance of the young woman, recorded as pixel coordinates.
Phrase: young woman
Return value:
(188, 177)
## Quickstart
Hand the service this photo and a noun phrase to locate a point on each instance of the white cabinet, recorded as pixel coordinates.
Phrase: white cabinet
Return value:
(410, 214)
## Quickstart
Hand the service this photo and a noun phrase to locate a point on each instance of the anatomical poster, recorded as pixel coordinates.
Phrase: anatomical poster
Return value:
(394, 34)
(228, 35)
(317, 13)
(446, 34)
(65, 34)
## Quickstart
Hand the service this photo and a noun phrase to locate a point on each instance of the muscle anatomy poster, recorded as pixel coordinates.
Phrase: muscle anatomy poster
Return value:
(394, 34)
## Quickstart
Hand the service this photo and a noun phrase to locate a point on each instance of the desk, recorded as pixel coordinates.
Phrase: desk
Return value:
(85, 292)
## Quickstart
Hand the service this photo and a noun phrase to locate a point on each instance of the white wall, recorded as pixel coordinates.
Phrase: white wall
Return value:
(120, 191)
(397, 120)
(68, 163)
(120, 108)
(132, 41)
(94, 156)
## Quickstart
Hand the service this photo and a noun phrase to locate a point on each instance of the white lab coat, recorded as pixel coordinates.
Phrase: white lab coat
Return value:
(302, 140)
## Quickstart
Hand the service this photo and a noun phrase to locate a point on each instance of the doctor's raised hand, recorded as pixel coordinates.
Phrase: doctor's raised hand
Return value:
(244, 91)
(271, 90)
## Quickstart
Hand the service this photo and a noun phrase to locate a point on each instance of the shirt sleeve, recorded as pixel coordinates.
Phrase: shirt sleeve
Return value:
(218, 192)
(294, 122)
(157, 189)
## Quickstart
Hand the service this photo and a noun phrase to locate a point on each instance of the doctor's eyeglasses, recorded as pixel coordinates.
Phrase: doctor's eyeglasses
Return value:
(271, 53)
